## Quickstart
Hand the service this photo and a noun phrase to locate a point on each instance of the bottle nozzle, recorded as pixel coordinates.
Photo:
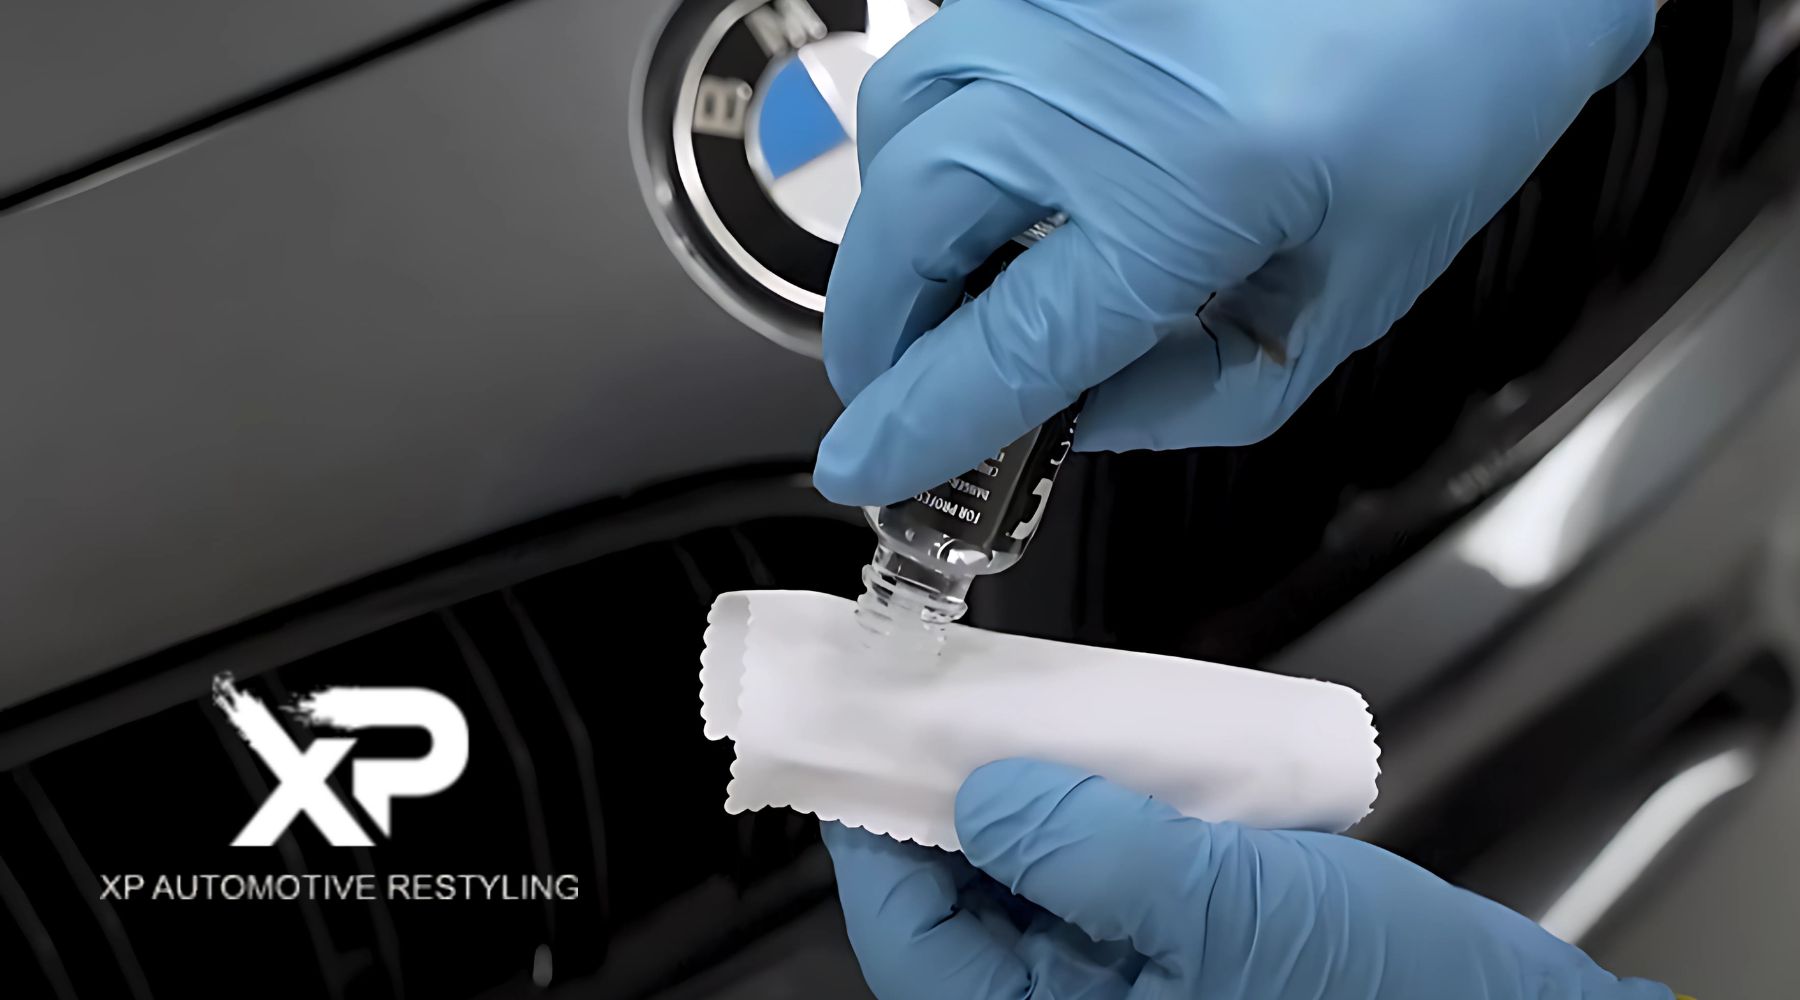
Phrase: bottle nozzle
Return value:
(906, 600)
(934, 544)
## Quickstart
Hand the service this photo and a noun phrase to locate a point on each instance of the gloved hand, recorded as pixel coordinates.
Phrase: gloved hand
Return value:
(1315, 163)
(1122, 897)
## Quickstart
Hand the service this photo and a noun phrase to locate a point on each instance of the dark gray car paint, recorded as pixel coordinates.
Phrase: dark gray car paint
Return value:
(78, 77)
(405, 309)
(1692, 485)
(1672, 398)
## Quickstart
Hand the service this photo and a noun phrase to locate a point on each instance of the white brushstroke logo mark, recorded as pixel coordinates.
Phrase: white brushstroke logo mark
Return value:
(375, 783)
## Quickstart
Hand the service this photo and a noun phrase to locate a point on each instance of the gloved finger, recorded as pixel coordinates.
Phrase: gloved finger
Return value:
(890, 96)
(926, 218)
(1236, 373)
(958, 183)
(1054, 323)
(985, 894)
(1058, 951)
(1067, 314)
(957, 46)
(1000, 920)
(1117, 864)
(1000, 153)
(910, 933)
(999, 366)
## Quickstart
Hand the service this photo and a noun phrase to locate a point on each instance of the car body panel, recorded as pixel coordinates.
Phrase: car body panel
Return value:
(413, 306)
(82, 78)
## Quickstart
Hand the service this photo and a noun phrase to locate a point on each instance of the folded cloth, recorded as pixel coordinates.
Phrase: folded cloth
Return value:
(830, 720)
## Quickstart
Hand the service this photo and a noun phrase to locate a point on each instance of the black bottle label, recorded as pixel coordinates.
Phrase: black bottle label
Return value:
(998, 504)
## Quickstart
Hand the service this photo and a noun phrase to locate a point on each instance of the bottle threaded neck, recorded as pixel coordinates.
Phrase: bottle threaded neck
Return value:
(908, 602)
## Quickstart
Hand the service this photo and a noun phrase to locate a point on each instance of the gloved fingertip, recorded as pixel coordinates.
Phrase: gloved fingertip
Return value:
(908, 926)
(1001, 801)
(840, 471)
(1013, 776)
(1117, 863)
(845, 378)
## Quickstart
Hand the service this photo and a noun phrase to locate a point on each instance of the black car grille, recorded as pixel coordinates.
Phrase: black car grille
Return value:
(586, 759)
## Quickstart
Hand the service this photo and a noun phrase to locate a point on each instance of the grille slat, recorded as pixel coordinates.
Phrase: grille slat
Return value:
(586, 758)
(30, 948)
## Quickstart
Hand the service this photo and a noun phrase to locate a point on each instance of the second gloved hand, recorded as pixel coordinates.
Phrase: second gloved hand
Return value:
(1120, 898)
(1314, 163)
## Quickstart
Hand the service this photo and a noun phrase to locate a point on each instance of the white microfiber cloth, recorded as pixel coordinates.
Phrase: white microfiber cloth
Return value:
(827, 725)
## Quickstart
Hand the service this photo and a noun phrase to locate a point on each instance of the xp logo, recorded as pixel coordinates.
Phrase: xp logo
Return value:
(301, 774)
(763, 133)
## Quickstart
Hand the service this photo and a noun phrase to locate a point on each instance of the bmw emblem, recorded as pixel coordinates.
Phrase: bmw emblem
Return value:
(747, 139)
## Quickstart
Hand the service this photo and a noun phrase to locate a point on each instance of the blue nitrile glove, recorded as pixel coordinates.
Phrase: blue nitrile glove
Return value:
(1316, 163)
(1128, 899)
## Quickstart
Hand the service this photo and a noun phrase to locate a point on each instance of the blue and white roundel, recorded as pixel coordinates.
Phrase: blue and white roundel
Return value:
(801, 134)
(765, 132)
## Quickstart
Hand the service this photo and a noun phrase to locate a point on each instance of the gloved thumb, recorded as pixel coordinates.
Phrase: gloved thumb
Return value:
(1117, 864)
